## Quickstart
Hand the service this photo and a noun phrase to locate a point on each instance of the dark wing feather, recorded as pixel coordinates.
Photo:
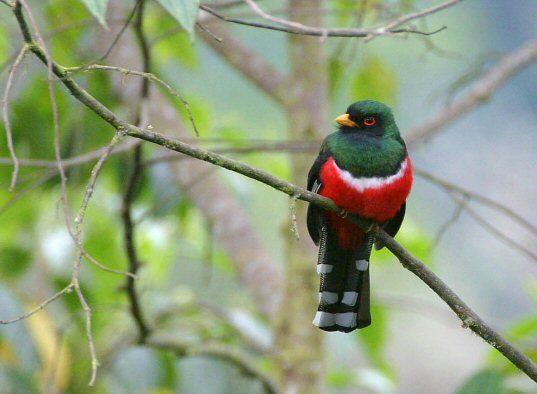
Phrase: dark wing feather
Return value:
(393, 225)
(314, 185)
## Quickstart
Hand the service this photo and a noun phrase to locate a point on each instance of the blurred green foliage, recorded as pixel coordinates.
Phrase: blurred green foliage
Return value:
(483, 382)
(375, 81)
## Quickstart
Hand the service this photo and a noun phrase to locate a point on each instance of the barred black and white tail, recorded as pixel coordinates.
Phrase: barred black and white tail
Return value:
(344, 290)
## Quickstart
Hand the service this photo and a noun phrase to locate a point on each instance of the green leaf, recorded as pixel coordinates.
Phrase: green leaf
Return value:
(167, 377)
(375, 81)
(483, 382)
(521, 333)
(349, 10)
(98, 9)
(525, 328)
(336, 70)
(373, 340)
(415, 240)
(4, 45)
(176, 47)
(185, 11)
(339, 379)
(15, 260)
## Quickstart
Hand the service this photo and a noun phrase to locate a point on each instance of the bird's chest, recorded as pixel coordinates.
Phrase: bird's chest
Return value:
(377, 198)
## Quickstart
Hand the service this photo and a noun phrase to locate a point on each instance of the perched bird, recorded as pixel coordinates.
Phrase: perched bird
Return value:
(365, 169)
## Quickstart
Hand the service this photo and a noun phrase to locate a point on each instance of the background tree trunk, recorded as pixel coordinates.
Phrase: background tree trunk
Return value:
(301, 346)
(233, 230)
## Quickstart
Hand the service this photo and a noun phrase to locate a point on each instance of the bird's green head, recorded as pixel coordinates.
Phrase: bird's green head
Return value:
(369, 117)
(368, 142)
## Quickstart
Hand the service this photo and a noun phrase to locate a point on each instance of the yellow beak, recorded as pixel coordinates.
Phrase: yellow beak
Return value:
(344, 120)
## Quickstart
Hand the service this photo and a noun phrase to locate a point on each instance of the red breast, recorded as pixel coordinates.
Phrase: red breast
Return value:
(377, 198)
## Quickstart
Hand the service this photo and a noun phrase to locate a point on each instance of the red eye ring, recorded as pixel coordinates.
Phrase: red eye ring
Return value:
(370, 121)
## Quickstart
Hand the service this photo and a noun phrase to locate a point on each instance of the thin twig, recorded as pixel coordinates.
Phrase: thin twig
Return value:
(132, 186)
(448, 223)
(41, 306)
(295, 146)
(63, 179)
(253, 146)
(120, 33)
(209, 32)
(223, 5)
(220, 351)
(451, 187)
(416, 15)
(166, 199)
(75, 160)
(21, 193)
(420, 14)
(79, 219)
(5, 113)
(146, 75)
(298, 28)
(103, 267)
(388, 28)
(134, 263)
(478, 93)
(497, 233)
(89, 334)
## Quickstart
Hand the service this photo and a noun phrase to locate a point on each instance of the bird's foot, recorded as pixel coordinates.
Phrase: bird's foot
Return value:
(373, 227)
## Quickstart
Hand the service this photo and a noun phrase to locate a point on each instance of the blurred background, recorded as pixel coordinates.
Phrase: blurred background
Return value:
(225, 290)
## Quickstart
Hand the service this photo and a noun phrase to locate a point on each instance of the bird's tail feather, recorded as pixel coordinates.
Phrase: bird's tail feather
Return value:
(344, 290)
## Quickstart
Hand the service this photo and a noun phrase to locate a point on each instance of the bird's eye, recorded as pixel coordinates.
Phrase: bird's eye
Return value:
(370, 121)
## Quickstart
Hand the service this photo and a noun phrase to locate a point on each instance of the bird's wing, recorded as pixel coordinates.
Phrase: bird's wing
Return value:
(392, 226)
(315, 185)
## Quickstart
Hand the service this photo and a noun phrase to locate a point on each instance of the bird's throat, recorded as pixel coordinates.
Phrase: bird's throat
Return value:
(365, 156)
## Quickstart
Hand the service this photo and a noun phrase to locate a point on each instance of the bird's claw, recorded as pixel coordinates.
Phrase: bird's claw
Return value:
(373, 227)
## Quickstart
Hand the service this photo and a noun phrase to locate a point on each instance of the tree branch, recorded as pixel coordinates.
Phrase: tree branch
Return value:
(41, 306)
(380, 31)
(291, 27)
(258, 146)
(47, 59)
(448, 186)
(479, 93)
(5, 113)
(510, 242)
(420, 14)
(249, 63)
(220, 351)
(79, 219)
(469, 318)
(143, 74)
(238, 237)
(132, 186)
